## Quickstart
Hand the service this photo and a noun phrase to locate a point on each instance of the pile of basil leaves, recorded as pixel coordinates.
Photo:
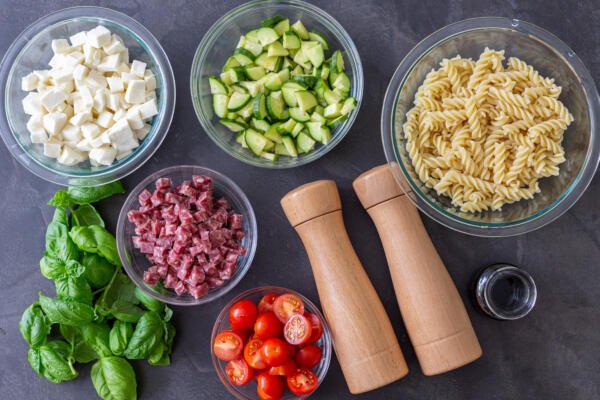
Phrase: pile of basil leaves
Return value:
(98, 314)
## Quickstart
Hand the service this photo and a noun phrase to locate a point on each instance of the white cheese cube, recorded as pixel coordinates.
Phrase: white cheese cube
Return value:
(81, 118)
(123, 67)
(98, 37)
(138, 68)
(35, 121)
(84, 145)
(57, 61)
(29, 82)
(150, 80)
(100, 100)
(136, 92)
(70, 156)
(104, 155)
(42, 87)
(115, 85)
(54, 122)
(78, 39)
(104, 138)
(96, 80)
(128, 77)
(61, 76)
(74, 58)
(105, 119)
(43, 75)
(99, 141)
(92, 56)
(114, 101)
(142, 133)
(121, 136)
(115, 46)
(89, 130)
(80, 72)
(69, 112)
(52, 149)
(38, 135)
(123, 154)
(125, 56)
(68, 88)
(32, 104)
(134, 119)
(53, 98)
(120, 114)
(71, 134)
(148, 109)
(109, 63)
(60, 46)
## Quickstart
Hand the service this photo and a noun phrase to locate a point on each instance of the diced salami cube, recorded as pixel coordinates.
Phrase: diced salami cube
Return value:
(135, 217)
(171, 280)
(183, 272)
(162, 271)
(146, 247)
(239, 235)
(201, 182)
(235, 221)
(196, 275)
(199, 291)
(150, 278)
(227, 271)
(144, 197)
(180, 288)
(214, 282)
(163, 183)
(209, 269)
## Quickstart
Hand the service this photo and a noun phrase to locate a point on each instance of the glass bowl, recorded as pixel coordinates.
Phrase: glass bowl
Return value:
(135, 263)
(248, 392)
(552, 58)
(31, 50)
(218, 45)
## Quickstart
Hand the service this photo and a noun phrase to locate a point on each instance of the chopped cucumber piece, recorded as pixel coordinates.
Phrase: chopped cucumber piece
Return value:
(255, 73)
(298, 115)
(304, 143)
(273, 81)
(276, 49)
(315, 55)
(317, 117)
(266, 36)
(289, 89)
(317, 37)
(240, 139)
(276, 106)
(220, 105)
(297, 129)
(243, 56)
(256, 142)
(333, 111)
(260, 124)
(217, 86)
(319, 132)
(269, 63)
(306, 100)
(271, 21)
(234, 126)
(337, 122)
(342, 82)
(253, 87)
(287, 127)
(337, 62)
(348, 106)
(238, 100)
(291, 40)
(246, 112)
(239, 89)
(281, 150)
(288, 142)
(253, 47)
(230, 63)
(331, 97)
(272, 134)
(259, 107)
(302, 60)
(308, 81)
(252, 36)
(282, 26)
(269, 156)
(269, 146)
(300, 30)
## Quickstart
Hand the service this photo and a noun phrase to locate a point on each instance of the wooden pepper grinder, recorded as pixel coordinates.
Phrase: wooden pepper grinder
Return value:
(433, 312)
(363, 337)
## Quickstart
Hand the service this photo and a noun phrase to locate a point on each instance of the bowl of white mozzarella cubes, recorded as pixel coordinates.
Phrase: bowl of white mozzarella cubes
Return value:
(89, 96)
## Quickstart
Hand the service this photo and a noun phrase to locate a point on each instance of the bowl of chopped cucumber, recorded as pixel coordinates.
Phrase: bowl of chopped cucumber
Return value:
(276, 84)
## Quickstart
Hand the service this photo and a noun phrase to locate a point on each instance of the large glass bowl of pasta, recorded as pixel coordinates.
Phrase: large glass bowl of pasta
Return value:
(499, 141)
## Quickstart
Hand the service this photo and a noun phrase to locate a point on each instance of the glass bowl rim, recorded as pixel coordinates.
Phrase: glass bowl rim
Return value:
(247, 259)
(200, 58)
(222, 316)
(160, 127)
(451, 220)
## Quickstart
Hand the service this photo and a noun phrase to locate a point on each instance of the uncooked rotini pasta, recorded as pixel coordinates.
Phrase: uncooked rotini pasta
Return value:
(483, 133)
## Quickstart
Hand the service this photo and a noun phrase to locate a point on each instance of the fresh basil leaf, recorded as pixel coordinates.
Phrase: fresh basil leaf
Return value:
(114, 379)
(160, 355)
(50, 364)
(126, 311)
(96, 335)
(34, 325)
(55, 269)
(119, 300)
(82, 352)
(66, 312)
(120, 335)
(169, 334)
(61, 347)
(85, 215)
(97, 270)
(86, 195)
(58, 243)
(168, 314)
(74, 289)
(61, 199)
(147, 335)
(148, 301)
(96, 239)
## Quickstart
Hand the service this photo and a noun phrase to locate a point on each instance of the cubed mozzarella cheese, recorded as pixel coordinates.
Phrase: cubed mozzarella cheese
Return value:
(61, 76)
(128, 77)
(71, 133)
(84, 145)
(32, 104)
(100, 100)
(138, 68)
(42, 74)
(71, 156)
(124, 56)
(136, 92)
(57, 61)
(115, 84)
(120, 114)
(29, 82)
(134, 118)
(54, 122)
(52, 149)
(60, 46)
(74, 58)
(81, 118)
(90, 130)
(114, 101)
(96, 80)
(142, 133)
(78, 39)
(148, 109)
(150, 80)
(104, 155)
(121, 136)
(98, 37)
(105, 119)
(115, 46)
(52, 98)
(80, 72)
(109, 63)
(38, 135)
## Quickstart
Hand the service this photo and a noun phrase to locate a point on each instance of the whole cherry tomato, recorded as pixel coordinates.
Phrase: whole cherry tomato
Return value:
(274, 351)
(308, 356)
(242, 315)
(317, 327)
(269, 387)
(267, 325)
(266, 303)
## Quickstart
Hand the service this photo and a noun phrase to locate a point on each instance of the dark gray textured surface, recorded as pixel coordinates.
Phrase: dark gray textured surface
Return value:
(551, 354)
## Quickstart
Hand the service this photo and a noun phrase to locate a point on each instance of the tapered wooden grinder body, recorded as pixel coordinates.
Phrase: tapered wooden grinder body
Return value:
(433, 312)
(363, 337)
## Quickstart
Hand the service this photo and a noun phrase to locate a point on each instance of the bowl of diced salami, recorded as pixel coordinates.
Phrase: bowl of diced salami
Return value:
(88, 95)
(186, 235)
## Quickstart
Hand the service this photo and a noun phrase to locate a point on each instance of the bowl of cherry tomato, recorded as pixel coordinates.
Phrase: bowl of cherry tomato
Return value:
(271, 343)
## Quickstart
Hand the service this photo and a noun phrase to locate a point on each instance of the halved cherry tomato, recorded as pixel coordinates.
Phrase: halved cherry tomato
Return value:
(308, 356)
(252, 354)
(267, 325)
(298, 330)
(242, 315)
(274, 351)
(266, 303)
(285, 369)
(302, 382)
(269, 387)
(287, 305)
(239, 372)
(317, 327)
(228, 345)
